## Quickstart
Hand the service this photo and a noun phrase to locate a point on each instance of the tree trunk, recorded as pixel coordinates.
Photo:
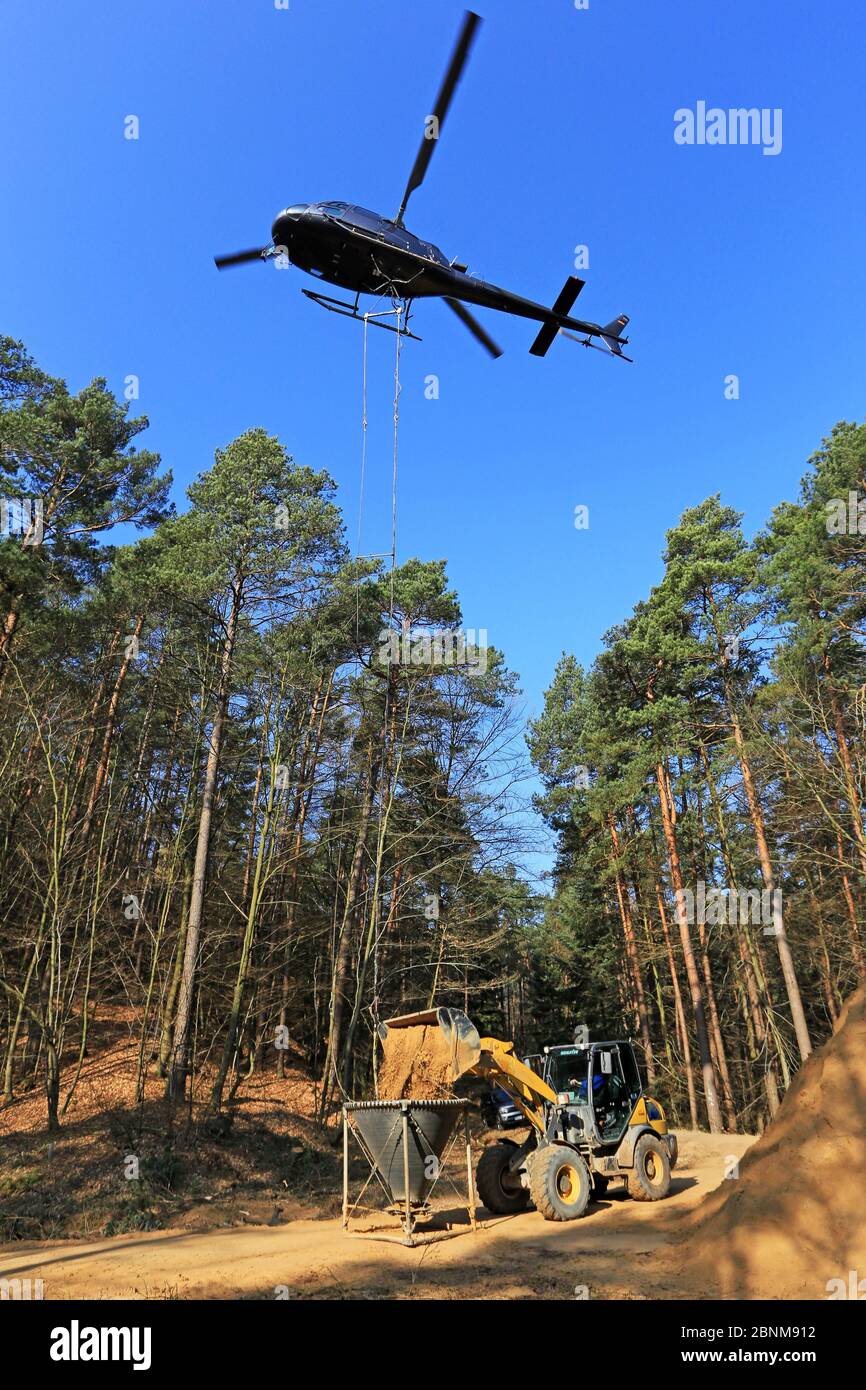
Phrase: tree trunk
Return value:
(679, 1011)
(711, 1098)
(176, 1084)
(341, 965)
(756, 815)
(743, 945)
(108, 737)
(632, 952)
(786, 960)
(856, 939)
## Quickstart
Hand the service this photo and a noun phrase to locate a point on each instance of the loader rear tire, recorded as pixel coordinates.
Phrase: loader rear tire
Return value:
(560, 1183)
(651, 1178)
(499, 1190)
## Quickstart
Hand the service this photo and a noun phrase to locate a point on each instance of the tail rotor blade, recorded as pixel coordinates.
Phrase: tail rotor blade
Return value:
(240, 257)
(440, 109)
(474, 326)
(611, 350)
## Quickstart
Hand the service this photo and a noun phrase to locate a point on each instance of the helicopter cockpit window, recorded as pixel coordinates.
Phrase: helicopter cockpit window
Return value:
(398, 236)
(423, 248)
(432, 253)
(367, 221)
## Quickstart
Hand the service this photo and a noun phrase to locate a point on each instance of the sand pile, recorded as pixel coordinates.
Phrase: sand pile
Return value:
(795, 1218)
(416, 1064)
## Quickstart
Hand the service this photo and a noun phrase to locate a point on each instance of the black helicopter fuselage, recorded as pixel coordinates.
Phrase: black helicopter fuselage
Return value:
(366, 253)
(345, 245)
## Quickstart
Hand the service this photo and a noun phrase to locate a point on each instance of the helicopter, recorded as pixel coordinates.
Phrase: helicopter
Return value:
(366, 253)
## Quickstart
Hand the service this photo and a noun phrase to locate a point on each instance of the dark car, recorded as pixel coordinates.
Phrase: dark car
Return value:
(499, 1110)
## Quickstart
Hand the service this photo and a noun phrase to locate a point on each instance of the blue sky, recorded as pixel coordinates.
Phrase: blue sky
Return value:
(561, 134)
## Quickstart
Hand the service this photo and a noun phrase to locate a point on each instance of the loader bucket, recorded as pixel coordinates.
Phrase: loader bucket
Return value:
(430, 1124)
(460, 1033)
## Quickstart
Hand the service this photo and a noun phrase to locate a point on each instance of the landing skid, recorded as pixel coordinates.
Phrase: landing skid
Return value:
(351, 311)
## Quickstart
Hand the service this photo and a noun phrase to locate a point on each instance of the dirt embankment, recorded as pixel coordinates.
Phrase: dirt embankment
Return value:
(416, 1064)
(794, 1218)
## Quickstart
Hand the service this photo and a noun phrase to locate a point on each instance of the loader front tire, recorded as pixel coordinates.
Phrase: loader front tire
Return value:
(499, 1190)
(651, 1177)
(560, 1183)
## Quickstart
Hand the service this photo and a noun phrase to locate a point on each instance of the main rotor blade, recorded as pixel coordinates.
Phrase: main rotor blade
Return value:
(239, 258)
(471, 22)
(474, 326)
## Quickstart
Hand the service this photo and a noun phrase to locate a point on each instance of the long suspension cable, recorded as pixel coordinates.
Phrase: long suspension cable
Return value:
(399, 312)
(363, 477)
(386, 790)
(394, 477)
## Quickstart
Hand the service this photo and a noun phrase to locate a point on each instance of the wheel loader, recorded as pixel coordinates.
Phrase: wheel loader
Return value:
(591, 1121)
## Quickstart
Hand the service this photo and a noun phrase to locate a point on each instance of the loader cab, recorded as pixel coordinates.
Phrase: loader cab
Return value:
(597, 1086)
(616, 1088)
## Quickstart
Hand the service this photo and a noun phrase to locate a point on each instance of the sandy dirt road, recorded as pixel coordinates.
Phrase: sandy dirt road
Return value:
(610, 1251)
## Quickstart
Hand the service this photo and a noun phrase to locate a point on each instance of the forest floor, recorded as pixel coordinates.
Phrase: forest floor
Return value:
(611, 1253)
(261, 1160)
